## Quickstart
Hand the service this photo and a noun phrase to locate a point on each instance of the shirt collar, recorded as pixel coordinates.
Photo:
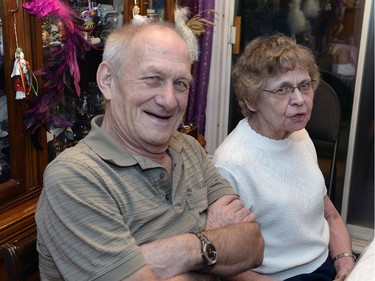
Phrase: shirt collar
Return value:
(112, 152)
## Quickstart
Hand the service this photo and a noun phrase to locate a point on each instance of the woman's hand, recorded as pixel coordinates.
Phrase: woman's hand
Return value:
(343, 267)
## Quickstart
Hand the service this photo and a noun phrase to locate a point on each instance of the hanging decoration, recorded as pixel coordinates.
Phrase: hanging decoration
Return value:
(61, 73)
(22, 75)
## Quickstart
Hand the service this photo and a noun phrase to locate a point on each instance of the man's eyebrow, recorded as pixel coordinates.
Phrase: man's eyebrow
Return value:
(151, 70)
(190, 78)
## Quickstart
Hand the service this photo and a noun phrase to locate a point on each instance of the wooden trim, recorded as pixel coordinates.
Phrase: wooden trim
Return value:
(237, 25)
(9, 189)
(17, 220)
(128, 6)
(20, 199)
(169, 10)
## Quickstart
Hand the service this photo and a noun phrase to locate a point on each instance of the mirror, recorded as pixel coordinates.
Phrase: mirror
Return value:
(4, 138)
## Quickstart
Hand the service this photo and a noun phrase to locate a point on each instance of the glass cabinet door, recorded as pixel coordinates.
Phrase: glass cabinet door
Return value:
(80, 104)
(80, 101)
(5, 171)
(22, 155)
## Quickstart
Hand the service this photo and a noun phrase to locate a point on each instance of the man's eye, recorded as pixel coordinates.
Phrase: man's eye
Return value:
(181, 86)
(153, 81)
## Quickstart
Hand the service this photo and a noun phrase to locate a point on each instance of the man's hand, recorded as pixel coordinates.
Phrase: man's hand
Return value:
(227, 210)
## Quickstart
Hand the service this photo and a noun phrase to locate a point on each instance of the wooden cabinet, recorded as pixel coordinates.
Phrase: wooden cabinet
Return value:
(28, 153)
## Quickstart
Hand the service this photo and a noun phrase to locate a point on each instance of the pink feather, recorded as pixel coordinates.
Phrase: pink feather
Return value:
(63, 67)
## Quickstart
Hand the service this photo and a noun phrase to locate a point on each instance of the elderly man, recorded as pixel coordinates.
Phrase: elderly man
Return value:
(136, 199)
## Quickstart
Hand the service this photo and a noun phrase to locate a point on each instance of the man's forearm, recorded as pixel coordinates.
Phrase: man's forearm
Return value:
(173, 256)
(195, 276)
(240, 248)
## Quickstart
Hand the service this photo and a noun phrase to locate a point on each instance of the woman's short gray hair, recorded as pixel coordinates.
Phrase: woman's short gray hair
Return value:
(266, 57)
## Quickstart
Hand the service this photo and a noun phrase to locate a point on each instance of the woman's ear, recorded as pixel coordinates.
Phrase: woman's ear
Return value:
(104, 78)
(250, 106)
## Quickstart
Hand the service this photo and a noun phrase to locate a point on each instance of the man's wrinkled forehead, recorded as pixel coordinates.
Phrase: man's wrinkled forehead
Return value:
(149, 35)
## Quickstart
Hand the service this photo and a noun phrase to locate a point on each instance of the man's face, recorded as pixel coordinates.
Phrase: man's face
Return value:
(150, 97)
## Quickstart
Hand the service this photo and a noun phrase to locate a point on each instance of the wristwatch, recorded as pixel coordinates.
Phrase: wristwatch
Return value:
(209, 253)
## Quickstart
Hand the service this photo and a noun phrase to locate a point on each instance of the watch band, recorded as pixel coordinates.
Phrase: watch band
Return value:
(202, 237)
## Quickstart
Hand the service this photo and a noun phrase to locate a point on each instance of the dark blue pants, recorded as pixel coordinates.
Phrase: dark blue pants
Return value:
(326, 272)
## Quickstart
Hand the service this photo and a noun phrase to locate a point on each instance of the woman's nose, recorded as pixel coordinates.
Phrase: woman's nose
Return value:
(297, 96)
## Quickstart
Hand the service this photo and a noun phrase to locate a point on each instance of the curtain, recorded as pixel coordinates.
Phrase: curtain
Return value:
(196, 110)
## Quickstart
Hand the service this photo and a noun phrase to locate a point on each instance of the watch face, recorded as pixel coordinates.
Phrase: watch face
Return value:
(211, 252)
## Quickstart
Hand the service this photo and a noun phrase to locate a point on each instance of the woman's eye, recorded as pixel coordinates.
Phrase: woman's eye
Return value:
(304, 86)
(281, 91)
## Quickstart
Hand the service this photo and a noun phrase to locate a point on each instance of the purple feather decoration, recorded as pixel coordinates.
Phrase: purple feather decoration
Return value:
(61, 73)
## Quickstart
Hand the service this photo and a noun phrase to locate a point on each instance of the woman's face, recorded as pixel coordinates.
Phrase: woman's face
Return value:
(276, 115)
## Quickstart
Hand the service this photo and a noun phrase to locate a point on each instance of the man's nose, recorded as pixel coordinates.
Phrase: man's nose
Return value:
(167, 96)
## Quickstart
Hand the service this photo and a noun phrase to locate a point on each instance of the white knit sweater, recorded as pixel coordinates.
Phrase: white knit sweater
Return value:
(281, 182)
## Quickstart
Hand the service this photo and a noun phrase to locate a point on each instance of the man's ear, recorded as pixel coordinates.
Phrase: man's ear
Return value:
(104, 78)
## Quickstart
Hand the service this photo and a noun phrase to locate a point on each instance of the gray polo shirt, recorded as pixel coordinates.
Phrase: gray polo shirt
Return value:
(99, 202)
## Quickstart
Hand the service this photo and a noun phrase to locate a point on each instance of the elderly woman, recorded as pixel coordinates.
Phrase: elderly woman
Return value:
(271, 161)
